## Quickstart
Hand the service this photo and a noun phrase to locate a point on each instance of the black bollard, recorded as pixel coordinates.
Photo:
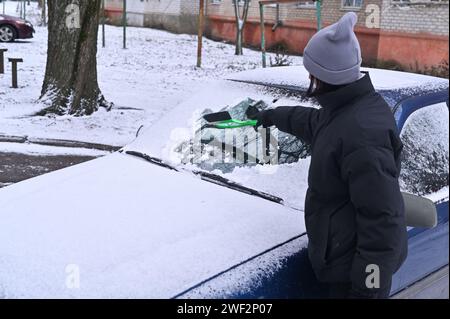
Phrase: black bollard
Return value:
(14, 71)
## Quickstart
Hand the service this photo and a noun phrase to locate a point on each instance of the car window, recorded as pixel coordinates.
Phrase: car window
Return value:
(224, 150)
(425, 165)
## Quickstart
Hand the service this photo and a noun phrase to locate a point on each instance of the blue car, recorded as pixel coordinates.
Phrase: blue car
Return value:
(178, 214)
(425, 272)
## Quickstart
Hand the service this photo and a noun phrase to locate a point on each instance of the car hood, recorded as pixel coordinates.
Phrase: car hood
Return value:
(123, 227)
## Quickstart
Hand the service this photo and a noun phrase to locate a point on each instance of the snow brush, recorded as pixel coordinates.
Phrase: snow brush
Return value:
(223, 120)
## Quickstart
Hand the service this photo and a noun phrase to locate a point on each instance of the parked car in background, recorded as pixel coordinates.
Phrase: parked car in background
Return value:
(12, 28)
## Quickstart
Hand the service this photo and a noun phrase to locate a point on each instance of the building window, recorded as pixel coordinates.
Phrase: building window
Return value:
(240, 2)
(307, 5)
(352, 4)
(415, 2)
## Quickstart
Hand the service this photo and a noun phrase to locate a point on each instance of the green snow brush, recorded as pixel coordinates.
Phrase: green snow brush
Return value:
(223, 120)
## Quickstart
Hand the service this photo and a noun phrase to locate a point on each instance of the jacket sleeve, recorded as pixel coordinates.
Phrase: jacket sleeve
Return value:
(372, 175)
(296, 120)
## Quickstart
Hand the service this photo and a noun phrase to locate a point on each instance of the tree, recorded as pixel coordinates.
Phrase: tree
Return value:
(70, 83)
(240, 22)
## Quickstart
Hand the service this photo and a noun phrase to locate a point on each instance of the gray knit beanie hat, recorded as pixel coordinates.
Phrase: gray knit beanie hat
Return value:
(333, 54)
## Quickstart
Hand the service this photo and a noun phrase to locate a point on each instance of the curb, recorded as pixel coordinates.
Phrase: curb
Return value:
(58, 142)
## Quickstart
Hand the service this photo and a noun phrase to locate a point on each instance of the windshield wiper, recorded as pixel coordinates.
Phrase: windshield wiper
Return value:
(212, 178)
(222, 181)
(151, 159)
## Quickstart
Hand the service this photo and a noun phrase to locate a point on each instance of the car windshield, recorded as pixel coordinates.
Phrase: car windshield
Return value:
(268, 161)
(219, 149)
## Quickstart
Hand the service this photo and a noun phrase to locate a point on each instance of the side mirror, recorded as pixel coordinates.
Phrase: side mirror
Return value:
(420, 212)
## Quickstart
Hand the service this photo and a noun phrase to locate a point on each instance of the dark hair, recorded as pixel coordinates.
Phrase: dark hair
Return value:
(318, 87)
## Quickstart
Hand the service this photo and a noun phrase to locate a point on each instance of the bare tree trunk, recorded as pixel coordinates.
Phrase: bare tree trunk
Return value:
(70, 82)
(240, 24)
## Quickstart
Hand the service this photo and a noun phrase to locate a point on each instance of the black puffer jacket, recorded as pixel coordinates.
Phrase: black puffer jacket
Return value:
(354, 210)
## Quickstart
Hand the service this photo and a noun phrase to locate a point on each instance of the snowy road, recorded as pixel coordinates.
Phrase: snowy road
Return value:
(15, 167)
(21, 161)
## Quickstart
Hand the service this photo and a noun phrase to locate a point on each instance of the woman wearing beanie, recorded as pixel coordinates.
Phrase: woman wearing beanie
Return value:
(354, 210)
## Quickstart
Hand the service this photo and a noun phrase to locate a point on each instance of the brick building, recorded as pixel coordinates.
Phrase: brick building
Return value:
(413, 33)
(178, 16)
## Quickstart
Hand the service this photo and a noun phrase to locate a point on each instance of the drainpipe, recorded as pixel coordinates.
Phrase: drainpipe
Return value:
(124, 17)
(319, 14)
(201, 18)
(263, 36)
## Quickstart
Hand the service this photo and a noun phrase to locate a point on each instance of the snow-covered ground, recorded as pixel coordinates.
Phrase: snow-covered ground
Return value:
(153, 75)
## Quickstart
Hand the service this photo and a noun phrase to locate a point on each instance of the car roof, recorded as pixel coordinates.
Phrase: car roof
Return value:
(298, 76)
(134, 229)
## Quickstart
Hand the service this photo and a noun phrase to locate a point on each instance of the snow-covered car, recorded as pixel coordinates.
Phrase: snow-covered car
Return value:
(155, 220)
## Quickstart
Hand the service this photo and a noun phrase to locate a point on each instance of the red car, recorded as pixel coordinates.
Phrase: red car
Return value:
(12, 28)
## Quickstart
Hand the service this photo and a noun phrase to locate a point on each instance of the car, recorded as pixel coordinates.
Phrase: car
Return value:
(154, 220)
(12, 28)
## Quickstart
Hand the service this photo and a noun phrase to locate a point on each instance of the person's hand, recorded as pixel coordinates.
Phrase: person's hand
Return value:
(263, 117)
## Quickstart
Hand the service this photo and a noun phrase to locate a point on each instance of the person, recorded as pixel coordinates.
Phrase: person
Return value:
(354, 210)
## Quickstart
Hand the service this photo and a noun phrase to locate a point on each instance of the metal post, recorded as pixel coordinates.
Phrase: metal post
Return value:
(263, 35)
(14, 71)
(200, 33)
(2, 60)
(44, 12)
(3, 6)
(124, 16)
(319, 14)
(24, 9)
(103, 24)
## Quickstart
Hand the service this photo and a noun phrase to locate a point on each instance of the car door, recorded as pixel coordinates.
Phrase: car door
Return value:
(423, 121)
